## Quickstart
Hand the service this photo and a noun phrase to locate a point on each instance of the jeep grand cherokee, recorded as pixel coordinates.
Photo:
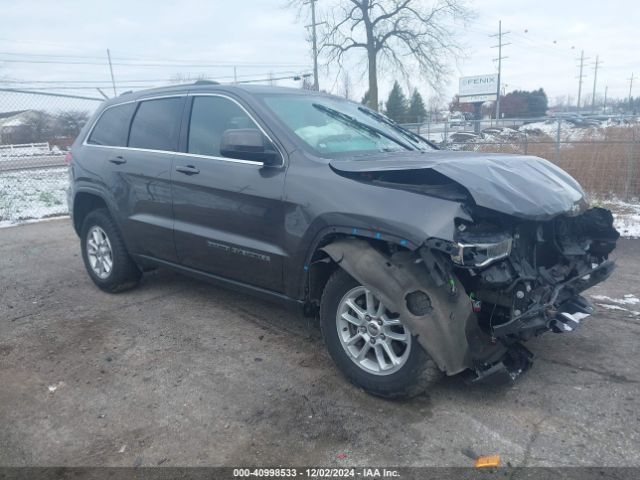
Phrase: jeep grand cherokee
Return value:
(415, 259)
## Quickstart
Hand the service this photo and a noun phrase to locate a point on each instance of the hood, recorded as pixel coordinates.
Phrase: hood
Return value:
(523, 186)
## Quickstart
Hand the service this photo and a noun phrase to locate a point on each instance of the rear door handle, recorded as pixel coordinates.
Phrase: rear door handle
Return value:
(118, 160)
(187, 169)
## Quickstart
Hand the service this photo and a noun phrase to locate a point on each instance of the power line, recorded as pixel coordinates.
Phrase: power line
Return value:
(16, 90)
(166, 64)
(147, 80)
(105, 84)
(500, 34)
(273, 79)
(99, 58)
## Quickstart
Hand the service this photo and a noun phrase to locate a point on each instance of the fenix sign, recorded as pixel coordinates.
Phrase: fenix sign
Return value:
(478, 88)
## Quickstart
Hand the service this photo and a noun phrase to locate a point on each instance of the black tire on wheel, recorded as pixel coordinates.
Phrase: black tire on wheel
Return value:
(417, 374)
(124, 273)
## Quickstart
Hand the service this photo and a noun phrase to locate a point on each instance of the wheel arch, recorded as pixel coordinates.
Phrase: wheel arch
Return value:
(84, 202)
(319, 266)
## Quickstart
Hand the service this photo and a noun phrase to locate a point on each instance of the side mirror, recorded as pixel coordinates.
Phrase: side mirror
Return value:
(248, 144)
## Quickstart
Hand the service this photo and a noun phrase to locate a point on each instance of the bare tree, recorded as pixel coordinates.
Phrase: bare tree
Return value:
(70, 122)
(434, 104)
(391, 32)
(37, 128)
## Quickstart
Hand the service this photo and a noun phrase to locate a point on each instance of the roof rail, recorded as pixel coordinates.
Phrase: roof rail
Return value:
(126, 93)
(206, 82)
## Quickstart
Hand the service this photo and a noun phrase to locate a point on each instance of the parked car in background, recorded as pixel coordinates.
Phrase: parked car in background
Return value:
(412, 257)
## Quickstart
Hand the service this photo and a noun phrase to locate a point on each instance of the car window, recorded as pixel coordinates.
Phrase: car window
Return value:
(210, 117)
(113, 126)
(156, 124)
(335, 127)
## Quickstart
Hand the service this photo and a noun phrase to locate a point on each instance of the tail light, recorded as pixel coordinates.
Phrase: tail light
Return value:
(68, 158)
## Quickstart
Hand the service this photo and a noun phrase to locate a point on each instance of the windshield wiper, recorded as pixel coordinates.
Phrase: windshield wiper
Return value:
(354, 122)
(387, 121)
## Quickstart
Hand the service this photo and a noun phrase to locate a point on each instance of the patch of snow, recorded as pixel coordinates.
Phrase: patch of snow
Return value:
(626, 215)
(568, 131)
(627, 300)
(7, 223)
(16, 122)
(609, 306)
(33, 194)
(627, 225)
(612, 307)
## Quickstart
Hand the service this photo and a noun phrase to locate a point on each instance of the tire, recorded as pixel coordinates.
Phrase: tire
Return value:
(415, 371)
(106, 244)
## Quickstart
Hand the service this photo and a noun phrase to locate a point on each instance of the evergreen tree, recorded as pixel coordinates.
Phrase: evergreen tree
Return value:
(396, 108)
(417, 111)
(537, 103)
(523, 104)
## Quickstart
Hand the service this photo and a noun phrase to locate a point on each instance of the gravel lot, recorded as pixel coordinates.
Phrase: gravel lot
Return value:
(179, 372)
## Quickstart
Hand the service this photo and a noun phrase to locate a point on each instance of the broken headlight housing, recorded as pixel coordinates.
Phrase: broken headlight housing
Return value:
(481, 249)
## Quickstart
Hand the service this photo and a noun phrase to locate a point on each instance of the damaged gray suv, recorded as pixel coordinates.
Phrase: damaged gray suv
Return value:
(416, 260)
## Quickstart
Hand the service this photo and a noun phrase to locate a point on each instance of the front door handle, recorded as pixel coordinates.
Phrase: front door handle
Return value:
(118, 160)
(187, 169)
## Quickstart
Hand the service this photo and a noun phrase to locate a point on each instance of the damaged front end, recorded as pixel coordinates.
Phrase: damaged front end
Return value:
(501, 281)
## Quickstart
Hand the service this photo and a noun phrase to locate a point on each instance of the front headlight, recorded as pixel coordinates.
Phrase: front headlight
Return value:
(479, 252)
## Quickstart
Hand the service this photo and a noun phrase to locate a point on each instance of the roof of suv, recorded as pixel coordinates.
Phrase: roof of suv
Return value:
(212, 87)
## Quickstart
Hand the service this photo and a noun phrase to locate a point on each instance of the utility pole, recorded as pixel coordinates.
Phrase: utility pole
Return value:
(113, 81)
(630, 87)
(604, 104)
(580, 77)
(235, 75)
(314, 43)
(500, 34)
(595, 78)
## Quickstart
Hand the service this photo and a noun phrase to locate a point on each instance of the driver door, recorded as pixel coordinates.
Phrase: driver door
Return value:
(229, 214)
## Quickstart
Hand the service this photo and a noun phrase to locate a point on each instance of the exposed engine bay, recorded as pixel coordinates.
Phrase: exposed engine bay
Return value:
(525, 278)
(501, 280)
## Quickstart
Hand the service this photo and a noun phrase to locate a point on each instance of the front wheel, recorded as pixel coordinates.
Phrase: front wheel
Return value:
(370, 344)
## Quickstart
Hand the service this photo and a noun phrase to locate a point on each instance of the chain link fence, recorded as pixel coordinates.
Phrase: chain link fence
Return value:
(37, 129)
(601, 152)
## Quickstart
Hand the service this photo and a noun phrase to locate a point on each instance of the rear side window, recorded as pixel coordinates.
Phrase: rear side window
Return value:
(156, 124)
(113, 126)
(210, 117)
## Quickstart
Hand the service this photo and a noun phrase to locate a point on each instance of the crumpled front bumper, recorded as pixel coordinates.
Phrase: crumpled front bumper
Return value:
(561, 312)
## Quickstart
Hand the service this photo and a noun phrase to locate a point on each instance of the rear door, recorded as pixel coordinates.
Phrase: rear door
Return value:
(140, 177)
(229, 216)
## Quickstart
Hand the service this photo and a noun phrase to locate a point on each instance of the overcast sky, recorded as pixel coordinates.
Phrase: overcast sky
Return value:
(263, 38)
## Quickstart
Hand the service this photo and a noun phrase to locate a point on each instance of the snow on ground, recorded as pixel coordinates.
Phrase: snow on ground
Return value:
(628, 299)
(568, 131)
(32, 194)
(616, 303)
(626, 216)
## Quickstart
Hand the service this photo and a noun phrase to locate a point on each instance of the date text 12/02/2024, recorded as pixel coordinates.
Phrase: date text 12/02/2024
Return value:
(316, 473)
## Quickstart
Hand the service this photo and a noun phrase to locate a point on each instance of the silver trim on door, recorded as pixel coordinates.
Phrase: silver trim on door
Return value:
(187, 154)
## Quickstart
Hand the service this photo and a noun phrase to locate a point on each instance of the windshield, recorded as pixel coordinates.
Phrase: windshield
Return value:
(334, 127)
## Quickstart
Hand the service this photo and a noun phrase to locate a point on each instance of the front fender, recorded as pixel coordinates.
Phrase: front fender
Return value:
(447, 329)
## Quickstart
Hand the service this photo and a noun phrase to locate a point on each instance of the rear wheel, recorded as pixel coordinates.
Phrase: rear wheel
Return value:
(370, 344)
(105, 255)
